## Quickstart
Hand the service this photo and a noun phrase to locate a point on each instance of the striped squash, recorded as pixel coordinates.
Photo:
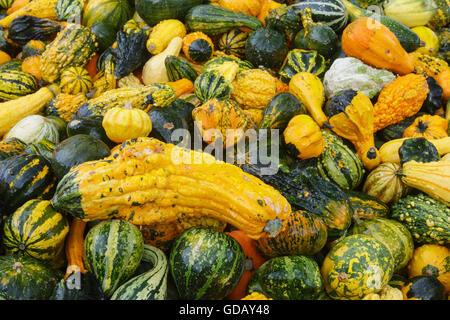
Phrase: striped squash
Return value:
(215, 264)
(299, 60)
(233, 43)
(115, 12)
(15, 84)
(150, 285)
(75, 80)
(6, 4)
(210, 85)
(385, 183)
(304, 234)
(25, 177)
(179, 68)
(11, 147)
(339, 164)
(392, 233)
(112, 251)
(36, 229)
(330, 12)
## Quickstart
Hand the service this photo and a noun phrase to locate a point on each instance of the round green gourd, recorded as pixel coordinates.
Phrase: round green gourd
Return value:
(418, 149)
(25, 278)
(233, 42)
(76, 150)
(214, 267)
(266, 47)
(37, 230)
(112, 251)
(356, 266)
(281, 108)
(339, 164)
(332, 13)
(299, 60)
(392, 233)
(115, 12)
(423, 288)
(288, 278)
(210, 85)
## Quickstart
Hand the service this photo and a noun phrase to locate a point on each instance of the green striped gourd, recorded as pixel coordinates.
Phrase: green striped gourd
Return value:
(356, 266)
(37, 230)
(15, 84)
(288, 278)
(6, 4)
(25, 278)
(233, 43)
(427, 219)
(392, 233)
(22, 178)
(179, 68)
(112, 251)
(150, 285)
(299, 60)
(214, 267)
(330, 12)
(210, 85)
(339, 164)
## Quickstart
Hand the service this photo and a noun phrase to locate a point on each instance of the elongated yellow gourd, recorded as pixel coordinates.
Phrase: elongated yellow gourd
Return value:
(146, 181)
(433, 178)
(15, 110)
(389, 150)
(35, 8)
(308, 88)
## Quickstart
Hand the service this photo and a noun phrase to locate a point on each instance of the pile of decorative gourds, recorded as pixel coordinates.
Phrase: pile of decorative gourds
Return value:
(94, 93)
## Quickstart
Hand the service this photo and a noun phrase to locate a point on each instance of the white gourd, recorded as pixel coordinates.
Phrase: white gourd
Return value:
(33, 129)
(154, 70)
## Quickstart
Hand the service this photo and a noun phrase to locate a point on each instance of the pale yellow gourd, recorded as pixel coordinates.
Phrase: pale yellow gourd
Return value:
(308, 88)
(163, 33)
(13, 111)
(154, 70)
(389, 150)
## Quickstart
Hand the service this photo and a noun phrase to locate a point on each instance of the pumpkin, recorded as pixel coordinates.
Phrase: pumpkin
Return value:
(309, 90)
(304, 234)
(385, 183)
(351, 115)
(373, 43)
(431, 260)
(198, 47)
(121, 124)
(253, 88)
(266, 47)
(75, 80)
(253, 260)
(220, 115)
(356, 266)
(400, 99)
(427, 126)
(305, 136)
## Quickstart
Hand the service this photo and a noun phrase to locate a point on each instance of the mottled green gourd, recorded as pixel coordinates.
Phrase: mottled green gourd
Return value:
(288, 278)
(427, 219)
(210, 85)
(299, 60)
(214, 267)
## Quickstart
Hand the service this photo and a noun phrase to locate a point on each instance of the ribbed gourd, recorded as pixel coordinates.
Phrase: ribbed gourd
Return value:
(73, 47)
(16, 84)
(260, 207)
(75, 80)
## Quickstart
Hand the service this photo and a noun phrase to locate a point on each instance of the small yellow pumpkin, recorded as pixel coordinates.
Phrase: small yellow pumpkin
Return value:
(305, 135)
(76, 80)
(429, 37)
(125, 123)
(427, 126)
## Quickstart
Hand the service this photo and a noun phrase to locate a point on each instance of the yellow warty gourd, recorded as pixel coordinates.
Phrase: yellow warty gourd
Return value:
(35, 8)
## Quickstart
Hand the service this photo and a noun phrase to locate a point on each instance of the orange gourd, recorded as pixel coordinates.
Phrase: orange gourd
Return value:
(250, 7)
(91, 66)
(32, 65)
(373, 43)
(400, 99)
(427, 126)
(4, 57)
(266, 6)
(182, 86)
(75, 248)
(253, 260)
(17, 4)
(443, 79)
